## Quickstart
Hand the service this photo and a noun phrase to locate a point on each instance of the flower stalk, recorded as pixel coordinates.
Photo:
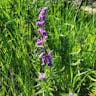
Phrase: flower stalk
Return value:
(46, 57)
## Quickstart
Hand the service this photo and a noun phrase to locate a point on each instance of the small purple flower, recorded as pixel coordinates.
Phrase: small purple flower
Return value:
(42, 76)
(42, 31)
(39, 42)
(40, 23)
(42, 56)
(41, 17)
(44, 37)
(43, 11)
(44, 60)
(70, 94)
(49, 62)
(49, 58)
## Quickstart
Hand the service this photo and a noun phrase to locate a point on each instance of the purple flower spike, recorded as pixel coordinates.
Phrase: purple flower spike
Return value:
(46, 58)
(70, 94)
(43, 11)
(39, 42)
(42, 76)
(42, 31)
(40, 23)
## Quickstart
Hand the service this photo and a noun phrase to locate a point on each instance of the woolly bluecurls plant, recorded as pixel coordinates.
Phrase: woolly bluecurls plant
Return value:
(45, 57)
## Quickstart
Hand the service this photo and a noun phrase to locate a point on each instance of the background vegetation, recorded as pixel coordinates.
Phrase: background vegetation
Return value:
(72, 37)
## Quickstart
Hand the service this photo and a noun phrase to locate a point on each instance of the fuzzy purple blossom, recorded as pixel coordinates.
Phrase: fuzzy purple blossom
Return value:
(39, 42)
(41, 17)
(49, 62)
(49, 58)
(42, 56)
(43, 11)
(44, 37)
(40, 23)
(46, 58)
(42, 31)
(42, 76)
(42, 14)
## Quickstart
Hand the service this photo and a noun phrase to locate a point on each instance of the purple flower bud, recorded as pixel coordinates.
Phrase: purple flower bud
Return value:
(40, 23)
(49, 57)
(45, 37)
(43, 11)
(42, 31)
(41, 17)
(42, 76)
(39, 42)
(70, 94)
(49, 63)
(44, 60)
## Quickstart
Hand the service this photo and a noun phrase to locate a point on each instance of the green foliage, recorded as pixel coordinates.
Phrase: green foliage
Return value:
(72, 37)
